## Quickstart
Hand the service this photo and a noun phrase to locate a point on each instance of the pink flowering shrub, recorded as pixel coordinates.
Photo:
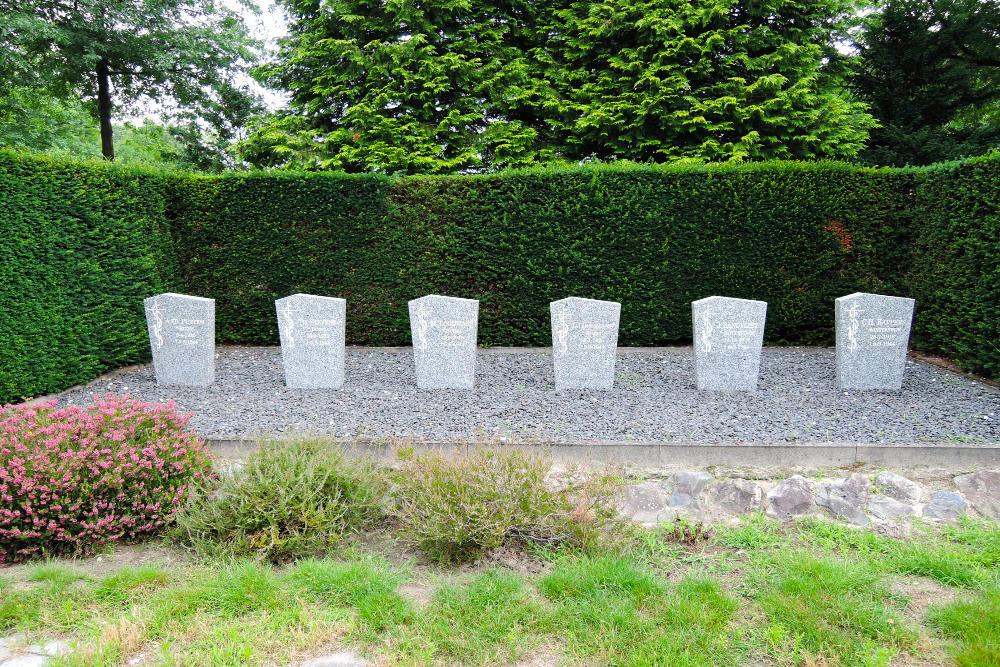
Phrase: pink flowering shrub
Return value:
(74, 478)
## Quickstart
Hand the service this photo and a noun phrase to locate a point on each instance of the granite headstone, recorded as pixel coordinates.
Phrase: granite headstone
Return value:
(444, 332)
(873, 332)
(182, 337)
(312, 340)
(728, 334)
(584, 342)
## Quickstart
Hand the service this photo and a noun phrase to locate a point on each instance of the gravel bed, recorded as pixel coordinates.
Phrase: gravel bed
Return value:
(654, 399)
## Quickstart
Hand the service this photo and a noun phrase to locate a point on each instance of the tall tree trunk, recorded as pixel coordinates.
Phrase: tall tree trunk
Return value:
(104, 109)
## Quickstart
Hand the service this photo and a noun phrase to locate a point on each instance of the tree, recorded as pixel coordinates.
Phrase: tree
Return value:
(181, 54)
(417, 86)
(930, 71)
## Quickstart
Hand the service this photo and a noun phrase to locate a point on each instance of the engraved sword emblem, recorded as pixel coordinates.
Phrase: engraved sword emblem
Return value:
(422, 328)
(286, 313)
(852, 327)
(562, 329)
(156, 311)
(706, 330)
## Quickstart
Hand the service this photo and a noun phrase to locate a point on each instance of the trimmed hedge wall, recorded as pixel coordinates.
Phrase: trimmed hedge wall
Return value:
(654, 238)
(82, 244)
(955, 275)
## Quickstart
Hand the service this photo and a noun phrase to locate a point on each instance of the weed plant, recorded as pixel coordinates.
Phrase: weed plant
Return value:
(455, 507)
(292, 499)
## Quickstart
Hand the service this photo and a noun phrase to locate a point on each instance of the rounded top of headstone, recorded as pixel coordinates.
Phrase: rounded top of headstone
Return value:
(448, 298)
(174, 295)
(582, 300)
(712, 299)
(868, 295)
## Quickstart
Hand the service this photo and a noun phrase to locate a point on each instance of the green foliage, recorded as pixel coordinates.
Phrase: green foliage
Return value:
(930, 73)
(655, 238)
(182, 53)
(292, 499)
(491, 620)
(456, 506)
(81, 246)
(956, 280)
(246, 240)
(31, 119)
(618, 614)
(446, 85)
(957, 556)
(368, 586)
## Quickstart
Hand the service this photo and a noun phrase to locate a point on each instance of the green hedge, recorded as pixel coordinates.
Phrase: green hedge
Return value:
(83, 243)
(80, 246)
(654, 238)
(955, 272)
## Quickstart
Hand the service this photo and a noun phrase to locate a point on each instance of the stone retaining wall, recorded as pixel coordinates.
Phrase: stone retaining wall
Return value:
(877, 499)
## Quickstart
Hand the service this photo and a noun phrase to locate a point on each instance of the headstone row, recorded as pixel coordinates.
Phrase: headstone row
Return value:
(873, 332)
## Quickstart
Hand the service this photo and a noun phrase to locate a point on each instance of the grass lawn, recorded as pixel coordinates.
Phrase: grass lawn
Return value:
(810, 593)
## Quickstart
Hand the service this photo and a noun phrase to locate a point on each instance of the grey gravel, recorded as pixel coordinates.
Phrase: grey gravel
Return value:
(654, 399)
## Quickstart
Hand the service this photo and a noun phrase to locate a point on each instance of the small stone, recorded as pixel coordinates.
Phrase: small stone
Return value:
(897, 531)
(735, 496)
(690, 483)
(791, 497)
(345, 659)
(982, 488)
(945, 505)
(884, 508)
(898, 487)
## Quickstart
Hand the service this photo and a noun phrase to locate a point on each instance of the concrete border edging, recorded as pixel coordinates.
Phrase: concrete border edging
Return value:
(693, 454)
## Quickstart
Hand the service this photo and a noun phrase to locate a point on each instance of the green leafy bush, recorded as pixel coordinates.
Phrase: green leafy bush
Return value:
(291, 499)
(456, 506)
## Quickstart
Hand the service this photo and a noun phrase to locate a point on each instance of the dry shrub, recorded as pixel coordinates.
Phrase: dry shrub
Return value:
(455, 507)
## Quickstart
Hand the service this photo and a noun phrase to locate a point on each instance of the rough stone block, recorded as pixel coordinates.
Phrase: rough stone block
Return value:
(444, 330)
(584, 342)
(873, 332)
(312, 340)
(182, 337)
(728, 335)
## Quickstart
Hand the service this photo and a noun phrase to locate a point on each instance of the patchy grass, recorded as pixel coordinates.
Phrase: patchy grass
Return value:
(974, 624)
(825, 611)
(809, 593)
